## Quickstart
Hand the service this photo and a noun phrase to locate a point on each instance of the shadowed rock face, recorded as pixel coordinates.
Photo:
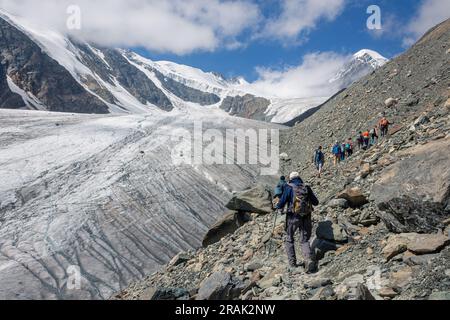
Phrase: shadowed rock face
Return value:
(247, 106)
(135, 81)
(35, 72)
(8, 99)
(413, 197)
(186, 93)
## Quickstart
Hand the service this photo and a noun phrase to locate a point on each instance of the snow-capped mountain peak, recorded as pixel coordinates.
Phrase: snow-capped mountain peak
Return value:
(361, 63)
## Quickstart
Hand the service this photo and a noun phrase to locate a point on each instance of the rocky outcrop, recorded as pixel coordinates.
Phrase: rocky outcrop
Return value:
(219, 286)
(414, 193)
(354, 196)
(232, 221)
(135, 81)
(247, 106)
(256, 200)
(418, 244)
(33, 71)
(186, 93)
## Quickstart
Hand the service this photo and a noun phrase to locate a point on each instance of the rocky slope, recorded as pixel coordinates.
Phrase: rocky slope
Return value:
(382, 230)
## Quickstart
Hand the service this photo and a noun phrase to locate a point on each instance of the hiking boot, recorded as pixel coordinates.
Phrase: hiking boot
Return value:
(311, 267)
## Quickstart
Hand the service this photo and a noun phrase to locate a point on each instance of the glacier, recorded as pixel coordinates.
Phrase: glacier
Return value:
(102, 194)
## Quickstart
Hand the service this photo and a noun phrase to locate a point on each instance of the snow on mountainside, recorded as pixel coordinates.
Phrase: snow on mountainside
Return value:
(361, 64)
(102, 80)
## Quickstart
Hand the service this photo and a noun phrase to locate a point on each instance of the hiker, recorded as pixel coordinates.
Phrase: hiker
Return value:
(279, 190)
(343, 151)
(373, 136)
(319, 160)
(384, 126)
(366, 137)
(300, 200)
(336, 151)
(349, 147)
(360, 140)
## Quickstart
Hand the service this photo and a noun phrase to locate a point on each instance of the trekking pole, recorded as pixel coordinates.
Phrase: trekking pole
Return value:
(273, 231)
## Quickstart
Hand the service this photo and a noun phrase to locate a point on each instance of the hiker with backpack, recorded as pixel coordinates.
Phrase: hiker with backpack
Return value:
(300, 199)
(319, 160)
(366, 137)
(373, 136)
(279, 190)
(343, 151)
(384, 126)
(336, 151)
(360, 140)
(349, 147)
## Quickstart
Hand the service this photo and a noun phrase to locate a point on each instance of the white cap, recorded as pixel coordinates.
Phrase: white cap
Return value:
(294, 175)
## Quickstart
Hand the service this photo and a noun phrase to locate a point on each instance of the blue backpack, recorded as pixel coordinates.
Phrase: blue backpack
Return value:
(336, 150)
(319, 156)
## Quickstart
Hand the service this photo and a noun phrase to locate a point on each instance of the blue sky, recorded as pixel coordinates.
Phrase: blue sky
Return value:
(345, 34)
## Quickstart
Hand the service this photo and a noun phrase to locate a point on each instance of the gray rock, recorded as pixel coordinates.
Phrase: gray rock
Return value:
(327, 230)
(413, 193)
(220, 286)
(419, 260)
(232, 221)
(164, 294)
(247, 106)
(324, 293)
(354, 196)
(180, 258)
(257, 200)
(441, 296)
(338, 203)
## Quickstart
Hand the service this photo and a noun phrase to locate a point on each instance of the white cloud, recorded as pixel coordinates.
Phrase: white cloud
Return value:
(309, 79)
(176, 26)
(430, 13)
(297, 17)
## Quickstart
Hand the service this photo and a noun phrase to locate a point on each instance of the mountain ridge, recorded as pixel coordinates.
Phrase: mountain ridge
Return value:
(137, 84)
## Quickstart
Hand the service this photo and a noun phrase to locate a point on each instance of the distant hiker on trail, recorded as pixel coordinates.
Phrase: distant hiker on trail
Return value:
(360, 140)
(384, 126)
(373, 136)
(279, 190)
(300, 200)
(349, 147)
(366, 137)
(343, 152)
(336, 151)
(319, 160)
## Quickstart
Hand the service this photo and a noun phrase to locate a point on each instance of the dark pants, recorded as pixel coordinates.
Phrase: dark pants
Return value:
(304, 225)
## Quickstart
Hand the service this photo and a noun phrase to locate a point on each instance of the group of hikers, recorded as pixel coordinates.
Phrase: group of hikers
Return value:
(342, 150)
(297, 200)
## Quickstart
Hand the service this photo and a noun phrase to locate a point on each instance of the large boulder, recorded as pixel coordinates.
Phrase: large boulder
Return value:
(220, 286)
(327, 230)
(427, 243)
(256, 200)
(390, 102)
(413, 194)
(354, 288)
(354, 196)
(416, 243)
(180, 258)
(232, 221)
(158, 294)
